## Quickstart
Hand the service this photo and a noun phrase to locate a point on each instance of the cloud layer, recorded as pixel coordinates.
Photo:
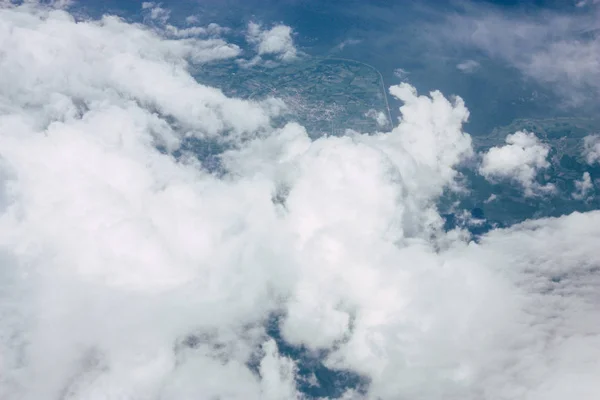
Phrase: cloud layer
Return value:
(128, 271)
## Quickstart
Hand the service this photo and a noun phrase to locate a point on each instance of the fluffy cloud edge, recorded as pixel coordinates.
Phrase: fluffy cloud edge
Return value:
(520, 160)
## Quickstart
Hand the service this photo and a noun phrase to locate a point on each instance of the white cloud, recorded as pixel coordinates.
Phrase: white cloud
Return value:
(126, 273)
(519, 160)
(191, 19)
(276, 41)
(185, 32)
(591, 149)
(583, 187)
(212, 30)
(110, 69)
(492, 197)
(159, 17)
(155, 12)
(468, 66)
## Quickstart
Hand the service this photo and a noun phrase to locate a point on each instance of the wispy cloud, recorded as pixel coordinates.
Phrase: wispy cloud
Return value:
(468, 66)
(591, 148)
(348, 42)
(557, 49)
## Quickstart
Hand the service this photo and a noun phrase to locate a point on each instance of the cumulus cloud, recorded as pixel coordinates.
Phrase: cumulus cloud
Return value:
(583, 187)
(109, 69)
(155, 12)
(591, 149)
(277, 41)
(191, 19)
(129, 272)
(159, 17)
(519, 160)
